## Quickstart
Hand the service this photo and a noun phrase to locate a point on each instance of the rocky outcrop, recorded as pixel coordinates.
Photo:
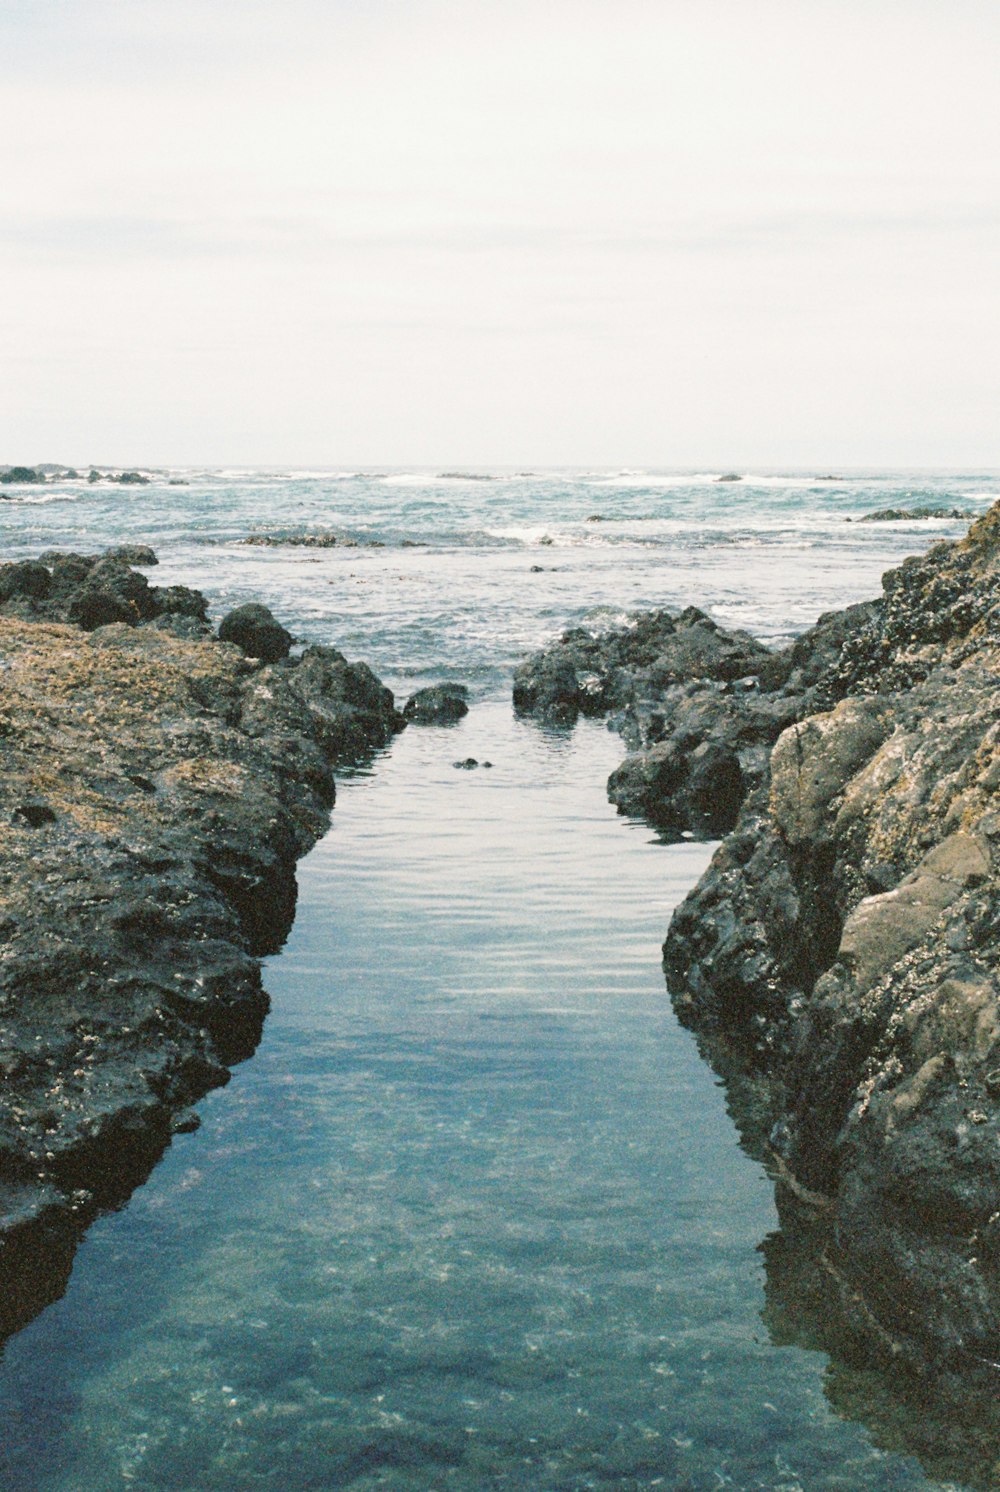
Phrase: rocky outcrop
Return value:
(839, 958)
(90, 591)
(700, 707)
(842, 950)
(158, 789)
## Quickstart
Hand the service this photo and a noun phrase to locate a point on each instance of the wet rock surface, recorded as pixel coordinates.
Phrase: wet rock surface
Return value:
(838, 959)
(909, 515)
(158, 787)
(698, 706)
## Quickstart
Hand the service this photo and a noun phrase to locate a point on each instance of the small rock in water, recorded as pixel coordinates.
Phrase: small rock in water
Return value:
(132, 554)
(730, 476)
(468, 765)
(438, 704)
(909, 515)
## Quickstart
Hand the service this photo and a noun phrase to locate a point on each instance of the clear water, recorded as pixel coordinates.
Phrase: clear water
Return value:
(475, 1215)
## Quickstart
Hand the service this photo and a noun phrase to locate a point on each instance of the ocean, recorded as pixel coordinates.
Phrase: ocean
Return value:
(475, 1215)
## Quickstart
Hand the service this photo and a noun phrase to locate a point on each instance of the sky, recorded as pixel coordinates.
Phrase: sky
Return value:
(716, 234)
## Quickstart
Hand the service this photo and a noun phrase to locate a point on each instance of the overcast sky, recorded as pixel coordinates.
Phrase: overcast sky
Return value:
(719, 233)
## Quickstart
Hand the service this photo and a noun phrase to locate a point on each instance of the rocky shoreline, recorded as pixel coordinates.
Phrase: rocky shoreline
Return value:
(838, 960)
(160, 784)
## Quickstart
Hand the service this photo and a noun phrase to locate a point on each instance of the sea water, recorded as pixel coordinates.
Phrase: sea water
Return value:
(474, 1215)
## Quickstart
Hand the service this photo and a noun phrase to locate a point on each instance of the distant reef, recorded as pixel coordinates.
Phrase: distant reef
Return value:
(160, 781)
(910, 515)
(839, 958)
(47, 471)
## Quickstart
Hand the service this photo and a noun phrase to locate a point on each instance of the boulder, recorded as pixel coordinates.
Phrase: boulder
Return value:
(438, 704)
(254, 629)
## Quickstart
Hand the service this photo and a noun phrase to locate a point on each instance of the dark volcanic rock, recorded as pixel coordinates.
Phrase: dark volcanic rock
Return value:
(901, 515)
(299, 541)
(133, 554)
(839, 958)
(843, 947)
(698, 705)
(439, 704)
(159, 790)
(254, 629)
(90, 590)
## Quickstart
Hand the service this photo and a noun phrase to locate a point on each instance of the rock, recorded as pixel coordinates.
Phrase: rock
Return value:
(35, 813)
(24, 578)
(158, 792)
(93, 591)
(811, 762)
(439, 704)
(253, 628)
(300, 541)
(909, 515)
(133, 554)
(688, 699)
(840, 955)
(730, 476)
(123, 478)
(468, 765)
(22, 475)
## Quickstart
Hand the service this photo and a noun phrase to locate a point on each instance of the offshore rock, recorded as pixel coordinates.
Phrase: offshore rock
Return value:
(841, 952)
(157, 790)
(909, 515)
(439, 704)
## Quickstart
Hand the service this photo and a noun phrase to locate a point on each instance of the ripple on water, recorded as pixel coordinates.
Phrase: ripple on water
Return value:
(473, 1217)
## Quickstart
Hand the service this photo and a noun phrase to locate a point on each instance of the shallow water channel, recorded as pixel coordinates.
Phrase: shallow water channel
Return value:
(474, 1216)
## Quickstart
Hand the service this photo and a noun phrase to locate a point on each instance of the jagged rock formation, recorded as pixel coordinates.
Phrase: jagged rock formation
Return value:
(699, 707)
(158, 786)
(839, 957)
(845, 941)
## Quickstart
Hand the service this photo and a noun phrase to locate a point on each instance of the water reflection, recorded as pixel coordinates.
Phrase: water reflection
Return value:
(949, 1420)
(474, 1216)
